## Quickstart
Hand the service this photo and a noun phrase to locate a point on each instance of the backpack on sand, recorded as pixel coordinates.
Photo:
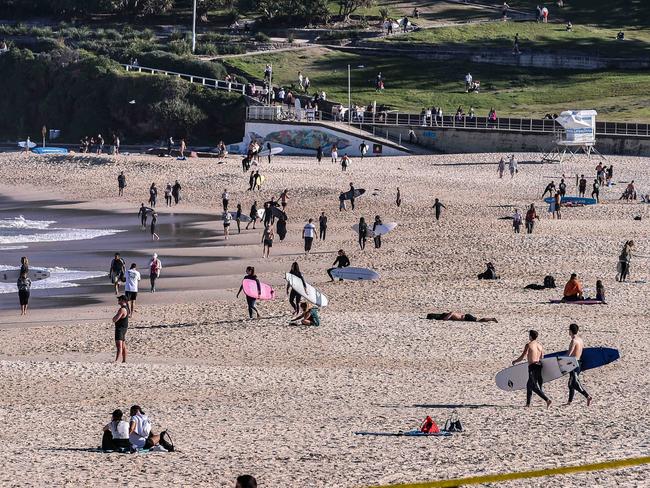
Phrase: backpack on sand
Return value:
(166, 441)
(549, 281)
(429, 426)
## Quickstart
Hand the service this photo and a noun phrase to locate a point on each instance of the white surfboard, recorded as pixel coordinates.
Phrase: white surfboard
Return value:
(274, 151)
(350, 273)
(243, 217)
(12, 275)
(309, 293)
(22, 144)
(515, 377)
(380, 230)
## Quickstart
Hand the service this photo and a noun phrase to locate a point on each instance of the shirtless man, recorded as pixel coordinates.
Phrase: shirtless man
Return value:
(575, 349)
(534, 353)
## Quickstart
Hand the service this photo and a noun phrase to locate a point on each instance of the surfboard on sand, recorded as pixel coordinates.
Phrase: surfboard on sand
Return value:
(348, 194)
(12, 275)
(24, 143)
(308, 292)
(350, 273)
(515, 377)
(265, 292)
(273, 151)
(593, 357)
(408, 433)
(573, 200)
(579, 302)
(50, 150)
(380, 230)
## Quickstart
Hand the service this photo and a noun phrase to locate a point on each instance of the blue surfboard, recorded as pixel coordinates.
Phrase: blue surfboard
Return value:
(574, 200)
(593, 357)
(50, 150)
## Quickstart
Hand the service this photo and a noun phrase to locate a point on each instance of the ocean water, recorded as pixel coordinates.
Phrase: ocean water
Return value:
(59, 278)
(19, 230)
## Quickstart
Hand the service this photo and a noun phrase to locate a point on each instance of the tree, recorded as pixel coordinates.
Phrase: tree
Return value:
(294, 11)
(348, 7)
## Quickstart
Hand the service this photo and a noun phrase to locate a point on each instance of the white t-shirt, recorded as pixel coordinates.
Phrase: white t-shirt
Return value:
(309, 231)
(132, 278)
(138, 437)
(225, 196)
(119, 430)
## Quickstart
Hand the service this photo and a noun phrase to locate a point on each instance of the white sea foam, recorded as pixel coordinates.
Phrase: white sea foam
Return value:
(59, 278)
(19, 230)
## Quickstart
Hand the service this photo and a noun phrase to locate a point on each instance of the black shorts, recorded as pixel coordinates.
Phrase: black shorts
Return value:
(120, 333)
(268, 242)
(132, 295)
(23, 296)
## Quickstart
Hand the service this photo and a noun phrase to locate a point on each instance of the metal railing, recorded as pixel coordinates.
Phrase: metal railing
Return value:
(397, 119)
(199, 80)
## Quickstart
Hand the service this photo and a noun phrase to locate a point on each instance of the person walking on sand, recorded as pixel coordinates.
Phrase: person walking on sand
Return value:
(294, 297)
(624, 259)
(516, 221)
(352, 195)
(341, 261)
(501, 168)
(267, 241)
(513, 166)
(398, 198)
(253, 215)
(284, 196)
(131, 287)
(308, 234)
(143, 213)
(376, 236)
(168, 195)
(345, 162)
(319, 153)
(176, 192)
(533, 353)
(438, 206)
(250, 301)
(182, 149)
(596, 190)
(363, 149)
(335, 154)
(251, 181)
(24, 285)
(556, 205)
(121, 183)
(155, 266)
(363, 233)
(224, 199)
(227, 218)
(576, 346)
(117, 272)
(322, 226)
(154, 221)
(582, 186)
(153, 195)
(531, 215)
(121, 321)
(238, 218)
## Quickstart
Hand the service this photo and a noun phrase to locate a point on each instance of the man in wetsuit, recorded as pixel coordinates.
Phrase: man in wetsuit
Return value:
(438, 206)
(121, 183)
(582, 186)
(142, 213)
(576, 347)
(533, 353)
(341, 261)
(322, 226)
(562, 188)
(550, 188)
(352, 191)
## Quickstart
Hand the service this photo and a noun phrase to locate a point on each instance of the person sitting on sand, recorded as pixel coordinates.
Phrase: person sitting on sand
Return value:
(140, 434)
(489, 274)
(308, 315)
(116, 433)
(600, 291)
(459, 317)
(573, 289)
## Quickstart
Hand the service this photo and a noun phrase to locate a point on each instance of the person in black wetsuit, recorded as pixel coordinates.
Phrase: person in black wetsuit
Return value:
(121, 183)
(322, 226)
(438, 206)
(363, 233)
(281, 227)
(268, 215)
(561, 189)
(117, 271)
(143, 213)
(176, 192)
(121, 321)
(250, 301)
(352, 191)
(377, 237)
(251, 181)
(238, 218)
(253, 215)
(550, 189)
(534, 353)
(153, 195)
(341, 261)
(294, 297)
(319, 153)
(582, 186)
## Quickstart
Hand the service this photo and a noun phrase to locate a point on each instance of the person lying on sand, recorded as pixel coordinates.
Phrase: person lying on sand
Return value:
(308, 315)
(459, 317)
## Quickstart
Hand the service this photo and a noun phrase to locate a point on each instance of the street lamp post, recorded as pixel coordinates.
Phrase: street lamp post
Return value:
(349, 99)
(194, 28)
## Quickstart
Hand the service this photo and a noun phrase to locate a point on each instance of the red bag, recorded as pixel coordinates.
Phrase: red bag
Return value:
(429, 426)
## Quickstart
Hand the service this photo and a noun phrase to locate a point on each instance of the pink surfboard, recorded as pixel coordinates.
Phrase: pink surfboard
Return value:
(250, 288)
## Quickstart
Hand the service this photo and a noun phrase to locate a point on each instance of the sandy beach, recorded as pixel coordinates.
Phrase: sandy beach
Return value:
(282, 402)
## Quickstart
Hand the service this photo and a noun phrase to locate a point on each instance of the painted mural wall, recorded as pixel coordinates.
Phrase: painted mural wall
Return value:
(303, 140)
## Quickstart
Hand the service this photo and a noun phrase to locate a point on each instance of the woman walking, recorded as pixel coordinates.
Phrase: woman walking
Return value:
(168, 195)
(267, 240)
(24, 287)
(250, 301)
(153, 195)
(363, 233)
(294, 297)
(531, 215)
(154, 271)
(624, 261)
(377, 237)
(154, 220)
(238, 218)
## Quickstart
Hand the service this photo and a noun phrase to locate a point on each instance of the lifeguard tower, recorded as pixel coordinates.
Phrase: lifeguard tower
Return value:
(578, 134)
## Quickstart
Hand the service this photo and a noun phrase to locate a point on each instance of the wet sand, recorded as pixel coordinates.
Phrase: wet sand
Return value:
(281, 402)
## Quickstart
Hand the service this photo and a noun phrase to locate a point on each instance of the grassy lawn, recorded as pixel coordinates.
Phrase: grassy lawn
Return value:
(583, 38)
(412, 84)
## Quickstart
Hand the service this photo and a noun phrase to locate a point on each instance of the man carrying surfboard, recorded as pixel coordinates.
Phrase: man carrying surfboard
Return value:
(576, 347)
(533, 352)
(341, 261)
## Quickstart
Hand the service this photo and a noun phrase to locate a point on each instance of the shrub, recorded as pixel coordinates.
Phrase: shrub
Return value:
(262, 37)
(179, 64)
